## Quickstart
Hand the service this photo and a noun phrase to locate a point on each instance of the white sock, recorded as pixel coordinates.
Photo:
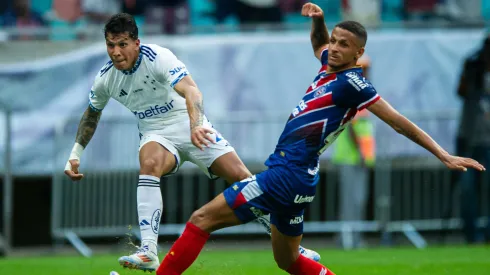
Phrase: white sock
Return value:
(149, 199)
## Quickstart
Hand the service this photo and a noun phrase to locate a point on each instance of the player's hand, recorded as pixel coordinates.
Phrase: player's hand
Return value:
(461, 164)
(311, 10)
(71, 170)
(201, 136)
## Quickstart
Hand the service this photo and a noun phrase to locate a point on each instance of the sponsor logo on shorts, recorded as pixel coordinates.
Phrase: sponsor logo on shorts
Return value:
(154, 110)
(303, 199)
(296, 220)
(257, 212)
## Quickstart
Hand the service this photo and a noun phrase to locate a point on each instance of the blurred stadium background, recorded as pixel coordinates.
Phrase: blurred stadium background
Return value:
(252, 60)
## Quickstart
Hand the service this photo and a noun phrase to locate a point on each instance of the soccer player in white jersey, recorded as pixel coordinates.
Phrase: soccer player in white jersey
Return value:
(158, 89)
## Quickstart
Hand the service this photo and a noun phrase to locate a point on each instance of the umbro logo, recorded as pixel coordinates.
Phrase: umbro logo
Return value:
(123, 93)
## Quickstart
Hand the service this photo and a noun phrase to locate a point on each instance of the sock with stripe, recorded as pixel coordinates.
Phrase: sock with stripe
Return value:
(149, 200)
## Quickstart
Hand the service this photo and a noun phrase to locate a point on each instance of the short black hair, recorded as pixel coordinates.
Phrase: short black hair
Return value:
(356, 28)
(121, 23)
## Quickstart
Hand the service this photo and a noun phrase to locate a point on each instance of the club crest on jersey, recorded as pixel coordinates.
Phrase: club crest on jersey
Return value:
(356, 81)
(321, 91)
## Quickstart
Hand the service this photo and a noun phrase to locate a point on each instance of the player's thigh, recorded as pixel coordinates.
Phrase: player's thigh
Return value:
(230, 167)
(240, 203)
(285, 248)
(157, 156)
(215, 215)
(219, 159)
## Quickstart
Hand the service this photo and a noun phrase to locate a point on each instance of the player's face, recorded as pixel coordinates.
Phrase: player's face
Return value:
(343, 49)
(123, 50)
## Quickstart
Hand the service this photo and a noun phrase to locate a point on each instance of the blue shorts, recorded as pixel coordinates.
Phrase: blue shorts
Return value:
(276, 191)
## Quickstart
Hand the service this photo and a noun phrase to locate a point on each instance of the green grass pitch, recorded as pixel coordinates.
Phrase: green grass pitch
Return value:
(396, 261)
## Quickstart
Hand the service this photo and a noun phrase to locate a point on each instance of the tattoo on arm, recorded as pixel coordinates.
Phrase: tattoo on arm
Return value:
(87, 126)
(319, 33)
(198, 113)
(413, 137)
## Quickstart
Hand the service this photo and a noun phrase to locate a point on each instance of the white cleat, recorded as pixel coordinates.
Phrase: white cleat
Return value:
(143, 259)
(310, 254)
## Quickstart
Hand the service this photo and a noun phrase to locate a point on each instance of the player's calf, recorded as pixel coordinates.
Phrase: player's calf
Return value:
(214, 215)
(287, 256)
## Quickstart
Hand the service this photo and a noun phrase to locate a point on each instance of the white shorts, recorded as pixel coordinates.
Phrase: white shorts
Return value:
(177, 140)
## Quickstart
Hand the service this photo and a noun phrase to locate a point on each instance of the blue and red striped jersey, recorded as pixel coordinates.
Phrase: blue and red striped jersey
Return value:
(330, 103)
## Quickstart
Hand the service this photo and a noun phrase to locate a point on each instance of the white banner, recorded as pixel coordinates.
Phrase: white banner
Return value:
(261, 75)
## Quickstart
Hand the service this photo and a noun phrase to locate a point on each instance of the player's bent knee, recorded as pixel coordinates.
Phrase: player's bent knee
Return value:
(201, 219)
(150, 166)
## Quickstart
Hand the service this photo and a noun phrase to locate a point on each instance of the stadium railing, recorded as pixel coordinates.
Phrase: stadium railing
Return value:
(6, 168)
(410, 193)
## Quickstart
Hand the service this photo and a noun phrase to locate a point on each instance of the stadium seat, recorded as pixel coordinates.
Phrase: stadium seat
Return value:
(391, 10)
(41, 6)
(485, 9)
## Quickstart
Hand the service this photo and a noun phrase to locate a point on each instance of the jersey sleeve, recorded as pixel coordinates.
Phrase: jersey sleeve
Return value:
(358, 92)
(324, 57)
(169, 68)
(99, 96)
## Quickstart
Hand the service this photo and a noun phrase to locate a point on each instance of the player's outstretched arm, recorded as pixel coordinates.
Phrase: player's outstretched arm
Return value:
(319, 31)
(86, 129)
(187, 88)
(402, 125)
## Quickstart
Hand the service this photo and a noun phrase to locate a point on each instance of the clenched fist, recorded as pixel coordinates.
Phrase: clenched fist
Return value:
(311, 10)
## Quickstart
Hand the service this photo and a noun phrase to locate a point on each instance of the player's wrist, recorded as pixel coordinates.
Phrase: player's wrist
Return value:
(442, 155)
(76, 151)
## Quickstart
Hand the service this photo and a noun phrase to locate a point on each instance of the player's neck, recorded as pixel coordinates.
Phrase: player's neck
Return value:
(331, 69)
(133, 64)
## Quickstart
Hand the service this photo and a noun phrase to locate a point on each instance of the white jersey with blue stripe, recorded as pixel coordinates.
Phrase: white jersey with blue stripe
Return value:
(146, 90)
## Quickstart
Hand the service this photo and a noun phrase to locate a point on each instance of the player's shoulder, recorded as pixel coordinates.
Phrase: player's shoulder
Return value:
(154, 50)
(105, 70)
(353, 78)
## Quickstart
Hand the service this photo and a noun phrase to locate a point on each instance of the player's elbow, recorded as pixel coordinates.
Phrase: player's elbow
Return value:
(396, 123)
(397, 128)
(193, 93)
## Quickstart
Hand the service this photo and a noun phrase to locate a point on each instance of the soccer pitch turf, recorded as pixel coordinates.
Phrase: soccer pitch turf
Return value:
(433, 261)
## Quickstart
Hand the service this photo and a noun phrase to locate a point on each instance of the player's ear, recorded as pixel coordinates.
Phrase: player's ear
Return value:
(359, 53)
(137, 42)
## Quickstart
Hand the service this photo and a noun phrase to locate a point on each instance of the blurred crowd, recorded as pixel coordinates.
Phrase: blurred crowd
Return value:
(181, 16)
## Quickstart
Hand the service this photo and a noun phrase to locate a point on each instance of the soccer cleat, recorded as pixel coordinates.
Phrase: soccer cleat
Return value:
(143, 259)
(310, 254)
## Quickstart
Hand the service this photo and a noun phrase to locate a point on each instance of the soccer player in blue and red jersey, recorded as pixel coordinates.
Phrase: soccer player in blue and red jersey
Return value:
(337, 93)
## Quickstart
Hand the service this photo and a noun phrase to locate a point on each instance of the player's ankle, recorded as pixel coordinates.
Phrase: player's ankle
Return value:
(152, 246)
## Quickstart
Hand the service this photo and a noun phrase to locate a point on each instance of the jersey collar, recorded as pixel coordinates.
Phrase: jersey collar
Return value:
(355, 68)
(136, 65)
